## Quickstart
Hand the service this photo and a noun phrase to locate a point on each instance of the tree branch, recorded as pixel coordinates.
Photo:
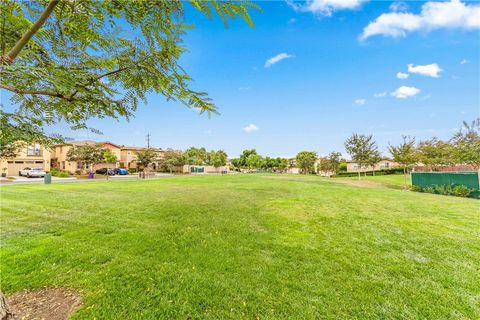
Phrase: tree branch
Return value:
(12, 54)
(37, 92)
(98, 78)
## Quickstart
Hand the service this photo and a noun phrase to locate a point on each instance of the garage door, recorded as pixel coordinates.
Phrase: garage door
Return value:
(15, 166)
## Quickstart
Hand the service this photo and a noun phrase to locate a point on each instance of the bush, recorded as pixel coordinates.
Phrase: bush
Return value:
(369, 173)
(447, 190)
(55, 172)
(462, 191)
(132, 170)
(63, 174)
(416, 188)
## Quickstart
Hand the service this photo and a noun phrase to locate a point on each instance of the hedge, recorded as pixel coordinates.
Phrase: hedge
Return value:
(369, 173)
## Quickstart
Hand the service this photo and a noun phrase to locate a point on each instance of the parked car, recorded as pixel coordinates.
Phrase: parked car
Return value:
(110, 171)
(121, 171)
(32, 172)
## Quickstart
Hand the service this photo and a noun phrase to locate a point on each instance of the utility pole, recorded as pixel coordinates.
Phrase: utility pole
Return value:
(148, 141)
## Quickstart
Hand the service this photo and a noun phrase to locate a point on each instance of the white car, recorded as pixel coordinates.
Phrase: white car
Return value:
(32, 172)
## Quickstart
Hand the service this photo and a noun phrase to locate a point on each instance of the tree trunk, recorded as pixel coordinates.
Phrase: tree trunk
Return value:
(358, 174)
(404, 179)
(12, 54)
(5, 313)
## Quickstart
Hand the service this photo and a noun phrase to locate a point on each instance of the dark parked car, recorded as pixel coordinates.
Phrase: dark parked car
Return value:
(110, 171)
(121, 171)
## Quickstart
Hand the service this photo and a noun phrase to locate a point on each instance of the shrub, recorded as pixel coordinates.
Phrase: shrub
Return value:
(55, 172)
(132, 170)
(447, 190)
(462, 191)
(416, 188)
(63, 174)
(369, 173)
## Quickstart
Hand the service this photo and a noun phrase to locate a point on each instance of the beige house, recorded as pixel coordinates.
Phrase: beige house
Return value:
(128, 157)
(59, 156)
(32, 156)
(381, 165)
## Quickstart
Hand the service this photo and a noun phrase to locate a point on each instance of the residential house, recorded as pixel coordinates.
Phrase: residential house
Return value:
(32, 155)
(384, 164)
(59, 156)
(128, 157)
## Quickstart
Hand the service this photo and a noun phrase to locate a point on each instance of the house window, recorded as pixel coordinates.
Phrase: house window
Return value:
(33, 150)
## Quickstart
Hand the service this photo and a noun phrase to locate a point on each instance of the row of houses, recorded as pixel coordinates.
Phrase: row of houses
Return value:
(37, 155)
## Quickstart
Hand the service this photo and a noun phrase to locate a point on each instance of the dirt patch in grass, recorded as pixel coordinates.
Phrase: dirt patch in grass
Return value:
(47, 303)
(360, 183)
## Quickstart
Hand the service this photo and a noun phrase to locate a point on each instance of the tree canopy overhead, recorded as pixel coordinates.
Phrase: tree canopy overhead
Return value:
(73, 60)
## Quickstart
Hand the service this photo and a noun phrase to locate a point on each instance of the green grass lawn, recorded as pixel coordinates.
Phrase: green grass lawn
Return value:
(394, 181)
(244, 246)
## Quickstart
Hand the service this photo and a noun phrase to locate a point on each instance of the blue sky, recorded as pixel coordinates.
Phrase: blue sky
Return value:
(332, 81)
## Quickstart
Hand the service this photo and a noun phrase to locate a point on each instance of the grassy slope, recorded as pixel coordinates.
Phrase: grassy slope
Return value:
(394, 181)
(244, 246)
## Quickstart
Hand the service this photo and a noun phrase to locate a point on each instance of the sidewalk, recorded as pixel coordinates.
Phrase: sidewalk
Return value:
(25, 180)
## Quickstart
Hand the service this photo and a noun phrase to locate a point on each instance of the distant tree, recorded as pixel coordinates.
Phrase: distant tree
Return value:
(406, 155)
(218, 158)
(324, 165)
(434, 152)
(334, 159)
(342, 167)
(236, 164)
(361, 148)
(145, 158)
(243, 159)
(196, 156)
(292, 163)
(109, 157)
(282, 164)
(87, 154)
(466, 144)
(372, 160)
(254, 161)
(173, 159)
(306, 161)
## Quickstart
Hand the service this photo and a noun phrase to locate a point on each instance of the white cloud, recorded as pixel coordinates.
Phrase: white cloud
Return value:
(401, 75)
(380, 94)
(292, 21)
(434, 15)
(430, 70)
(279, 57)
(251, 128)
(326, 7)
(464, 61)
(360, 102)
(398, 6)
(404, 92)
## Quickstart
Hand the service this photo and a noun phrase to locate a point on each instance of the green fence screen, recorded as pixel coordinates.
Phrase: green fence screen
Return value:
(197, 169)
(428, 179)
